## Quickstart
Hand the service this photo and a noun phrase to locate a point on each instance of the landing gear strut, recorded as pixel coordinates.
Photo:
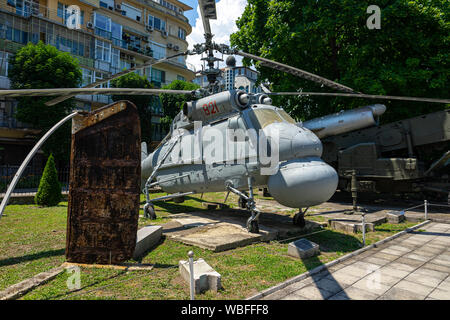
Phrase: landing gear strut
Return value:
(242, 202)
(248, 202)
(299, 218)
(149, 211)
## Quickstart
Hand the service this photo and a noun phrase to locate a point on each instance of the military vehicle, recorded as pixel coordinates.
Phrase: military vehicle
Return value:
(411, 156)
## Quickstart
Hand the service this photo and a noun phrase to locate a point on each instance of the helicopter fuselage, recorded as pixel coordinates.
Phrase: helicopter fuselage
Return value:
(262, 142)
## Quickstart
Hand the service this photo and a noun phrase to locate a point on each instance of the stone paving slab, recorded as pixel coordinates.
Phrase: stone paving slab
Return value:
(415, 266)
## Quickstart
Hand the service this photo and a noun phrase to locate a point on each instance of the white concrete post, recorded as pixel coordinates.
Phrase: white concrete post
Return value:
(426, 209)
(191, 271)
(364, 228)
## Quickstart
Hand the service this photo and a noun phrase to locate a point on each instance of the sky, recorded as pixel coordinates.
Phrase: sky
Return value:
(228, 11)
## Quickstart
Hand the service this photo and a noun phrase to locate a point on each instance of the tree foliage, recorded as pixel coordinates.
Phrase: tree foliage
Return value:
(143, 103)
(408, 56)
(39, 67)
(49, 191)
(172, 103)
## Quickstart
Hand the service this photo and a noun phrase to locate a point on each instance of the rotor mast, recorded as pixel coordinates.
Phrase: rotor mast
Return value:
(208, 11)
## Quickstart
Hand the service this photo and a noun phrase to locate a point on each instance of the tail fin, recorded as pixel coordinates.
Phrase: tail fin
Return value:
(143, 151)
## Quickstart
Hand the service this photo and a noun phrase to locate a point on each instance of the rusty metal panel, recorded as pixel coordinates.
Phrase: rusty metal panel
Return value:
(104, 189)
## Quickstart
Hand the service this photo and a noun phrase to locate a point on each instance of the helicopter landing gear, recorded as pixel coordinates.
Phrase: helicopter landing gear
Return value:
(242, 202)
(248, 202)
(299, 218)
(149, 211)
(178, 200)
(252, 225)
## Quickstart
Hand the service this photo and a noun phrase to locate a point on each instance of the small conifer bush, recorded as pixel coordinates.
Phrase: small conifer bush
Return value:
(49, 191)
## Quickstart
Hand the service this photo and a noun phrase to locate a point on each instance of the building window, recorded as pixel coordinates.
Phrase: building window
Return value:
(181, 60)
(4, 56)
(115, 58)
(156, 23)
(102, 50)
(116, 32)
(159, 50)
(181, 33)
(131, 12)
(158, 77)
(181, 78)
(87, 76)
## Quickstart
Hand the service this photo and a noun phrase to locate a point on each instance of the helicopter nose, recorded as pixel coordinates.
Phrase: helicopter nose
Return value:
(294, 142)
(306, 144)
(302, 183)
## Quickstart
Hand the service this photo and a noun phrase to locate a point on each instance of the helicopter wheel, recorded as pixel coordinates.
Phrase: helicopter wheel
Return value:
(149, 211)
(178, 200)
(252, 226)
(299, 219)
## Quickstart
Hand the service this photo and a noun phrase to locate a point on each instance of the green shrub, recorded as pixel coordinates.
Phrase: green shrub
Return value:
(49, 191)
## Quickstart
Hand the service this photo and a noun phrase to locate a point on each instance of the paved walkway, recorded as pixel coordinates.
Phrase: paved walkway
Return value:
(415, 266)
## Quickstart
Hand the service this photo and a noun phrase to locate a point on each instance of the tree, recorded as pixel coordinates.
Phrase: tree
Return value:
(408, 56)
(143, 103)
(38, 67)
(172, 103)
(49, 191)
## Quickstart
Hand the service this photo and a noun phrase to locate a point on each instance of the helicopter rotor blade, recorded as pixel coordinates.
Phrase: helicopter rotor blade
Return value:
(359, 95)
(207, 12)
(86, 91)
(297, 72)
(115, 76)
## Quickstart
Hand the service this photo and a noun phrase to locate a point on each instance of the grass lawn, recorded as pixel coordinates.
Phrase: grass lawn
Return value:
(32, 240)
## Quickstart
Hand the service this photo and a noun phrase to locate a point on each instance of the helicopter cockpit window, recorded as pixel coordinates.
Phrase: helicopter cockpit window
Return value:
(261, 118)
(286, 116)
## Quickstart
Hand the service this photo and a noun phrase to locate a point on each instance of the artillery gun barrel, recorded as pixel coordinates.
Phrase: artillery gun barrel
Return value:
(345, 121)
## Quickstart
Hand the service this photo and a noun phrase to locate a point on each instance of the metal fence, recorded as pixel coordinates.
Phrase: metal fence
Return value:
(29, 182)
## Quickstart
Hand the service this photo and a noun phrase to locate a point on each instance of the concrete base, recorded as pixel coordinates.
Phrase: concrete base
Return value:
(396, 217)
(303, 249)
(147, 238)
(205, 277)
(350, 226)
(221, 230)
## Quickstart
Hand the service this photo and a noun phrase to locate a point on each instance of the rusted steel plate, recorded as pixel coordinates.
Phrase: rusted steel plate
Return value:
(105, 173)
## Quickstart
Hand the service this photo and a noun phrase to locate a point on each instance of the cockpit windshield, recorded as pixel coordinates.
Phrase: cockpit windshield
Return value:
(261, 118)
(286, 116)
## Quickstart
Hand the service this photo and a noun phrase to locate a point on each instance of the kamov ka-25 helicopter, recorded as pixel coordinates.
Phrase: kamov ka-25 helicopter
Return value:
(190, 161)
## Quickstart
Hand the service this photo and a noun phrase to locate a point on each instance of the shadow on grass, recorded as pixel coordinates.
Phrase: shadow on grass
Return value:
(68, 293)
(31, 257)
(172, 207)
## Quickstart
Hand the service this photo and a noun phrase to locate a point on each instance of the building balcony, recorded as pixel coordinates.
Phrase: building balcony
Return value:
(161, 8)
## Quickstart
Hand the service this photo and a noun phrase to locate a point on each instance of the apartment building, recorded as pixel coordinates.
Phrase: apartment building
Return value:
(106, 37)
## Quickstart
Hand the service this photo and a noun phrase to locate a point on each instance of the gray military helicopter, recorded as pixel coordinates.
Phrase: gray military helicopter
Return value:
(268, 147)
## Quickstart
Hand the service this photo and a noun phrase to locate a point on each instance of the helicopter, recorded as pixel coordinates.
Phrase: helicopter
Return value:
(234, 141)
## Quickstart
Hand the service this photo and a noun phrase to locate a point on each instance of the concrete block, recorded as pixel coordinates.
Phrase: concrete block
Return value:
(303, 249)
(377, 220)
(205, 277)
(147, 237)
(396, 217)
(350, 226)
